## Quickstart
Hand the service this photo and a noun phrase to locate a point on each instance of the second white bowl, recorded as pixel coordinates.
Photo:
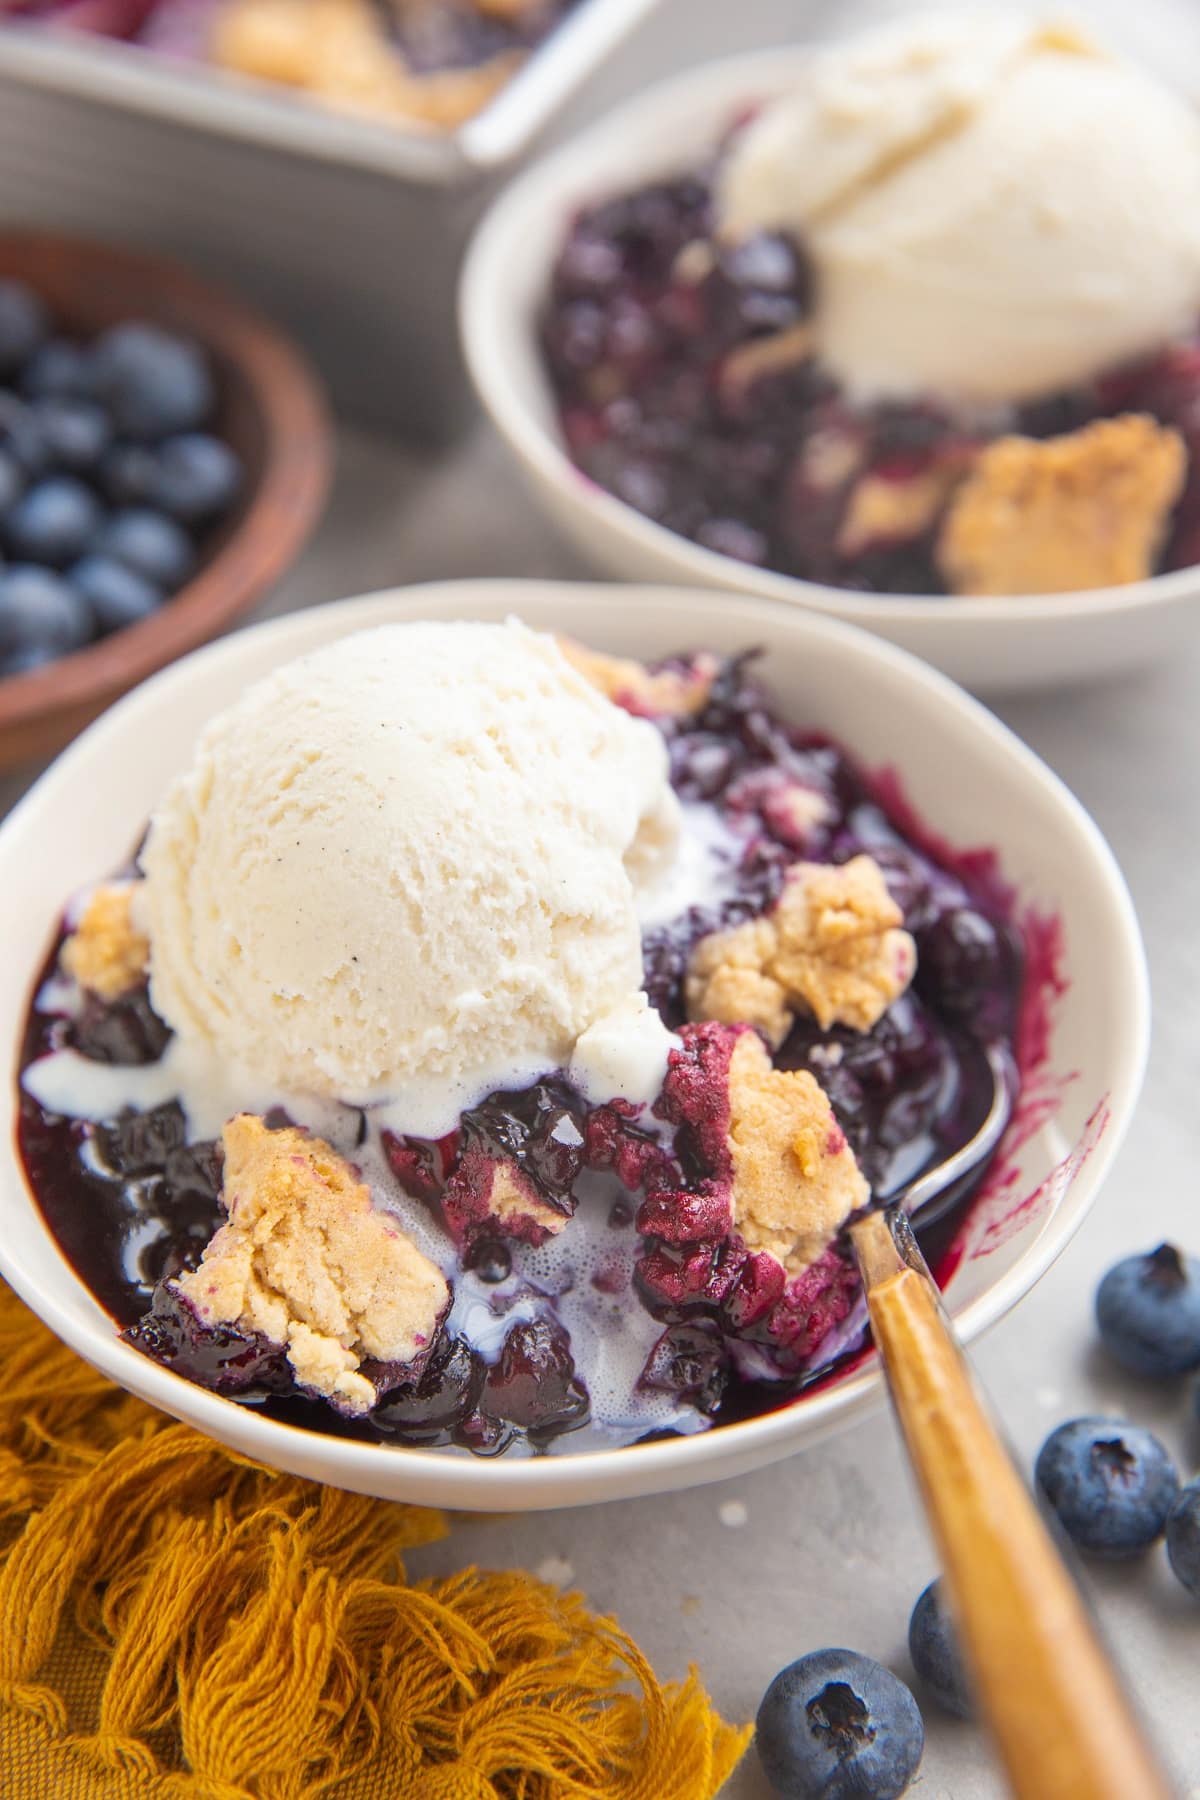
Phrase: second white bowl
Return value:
(991, 645)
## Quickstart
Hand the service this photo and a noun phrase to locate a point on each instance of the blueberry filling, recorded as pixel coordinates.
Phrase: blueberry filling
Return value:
(133, 1202)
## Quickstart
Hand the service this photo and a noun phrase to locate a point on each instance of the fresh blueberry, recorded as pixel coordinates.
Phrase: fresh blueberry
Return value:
(12, 481)
(151, 544)
(21, 436)
(933, 1646)
(1148, 1311)
(836, 1726)
(116, 594)
(153, 383)
(76, 432)
(24, 322)
(128, 473)
(23, 661)
(1111, 1484)
(197, 477)
(53, 521)
(1183, 1537)
(40, 612)
(60, 370)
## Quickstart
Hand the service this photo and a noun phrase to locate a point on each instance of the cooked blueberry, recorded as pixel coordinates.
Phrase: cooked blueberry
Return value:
(1111, 1484)
(12, 480)
(761, 285)
(40, 613)
(24, 323)
(1148, 1312)
(690, 1361)
(933, 1646)
(76, 432)
(958, 956)
(151, 544)
(197, 477)
(445, 1394)
(128, 473)
(126, 1031)
(490, 1259)
(60, 370)
(117, 595)
(839, 1726)
(220, 1357)
(731, 537)
(1183, 1537)
(53, 522)
(153, 384)
(136, 1143)
(534, 1384)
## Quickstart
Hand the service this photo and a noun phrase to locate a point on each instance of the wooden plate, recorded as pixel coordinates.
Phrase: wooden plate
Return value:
(270, 409)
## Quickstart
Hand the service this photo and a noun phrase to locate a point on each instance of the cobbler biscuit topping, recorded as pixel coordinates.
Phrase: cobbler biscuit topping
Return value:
(1088, 509)
(106, 953)
(890, 509)
(305, 1260)
(795, 1180)
(832, 946)
(672, 692)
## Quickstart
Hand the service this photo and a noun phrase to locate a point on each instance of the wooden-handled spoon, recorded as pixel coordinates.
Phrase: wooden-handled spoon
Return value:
(1060, 1718)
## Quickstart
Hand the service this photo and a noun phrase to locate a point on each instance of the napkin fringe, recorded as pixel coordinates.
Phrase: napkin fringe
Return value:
(256, 1638)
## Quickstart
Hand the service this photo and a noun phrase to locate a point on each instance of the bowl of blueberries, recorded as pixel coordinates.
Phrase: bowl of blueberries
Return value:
(164, 454)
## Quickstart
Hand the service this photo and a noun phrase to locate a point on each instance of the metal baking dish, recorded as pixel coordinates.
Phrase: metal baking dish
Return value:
(348, 230)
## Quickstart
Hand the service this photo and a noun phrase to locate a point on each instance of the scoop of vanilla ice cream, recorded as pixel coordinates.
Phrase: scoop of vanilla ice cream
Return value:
(406, 867)
(994, 209)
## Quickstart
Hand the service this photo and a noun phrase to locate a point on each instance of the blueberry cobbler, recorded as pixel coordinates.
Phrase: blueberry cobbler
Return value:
(492, 1039)
(926, 322)
(420, 62)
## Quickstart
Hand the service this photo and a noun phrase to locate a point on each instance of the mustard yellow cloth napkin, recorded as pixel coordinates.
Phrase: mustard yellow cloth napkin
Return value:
(177, 1623)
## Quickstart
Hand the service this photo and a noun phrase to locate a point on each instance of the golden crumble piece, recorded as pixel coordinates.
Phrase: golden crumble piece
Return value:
(882, 510)
(651, 694)
(305, 1259)
(513, 1199)
(338, 51)
(106, 953)
(763, 356)
(832, 946)
(1049, 516)
(800, 810)
(728, 980)
(795, 1180)
(831, 457)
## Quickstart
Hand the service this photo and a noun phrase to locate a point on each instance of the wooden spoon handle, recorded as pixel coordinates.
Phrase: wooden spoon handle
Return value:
(1061, 1720)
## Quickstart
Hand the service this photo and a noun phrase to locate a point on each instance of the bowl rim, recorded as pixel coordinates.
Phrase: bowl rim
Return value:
(571, 1477)
(280, 512)
(557, 184)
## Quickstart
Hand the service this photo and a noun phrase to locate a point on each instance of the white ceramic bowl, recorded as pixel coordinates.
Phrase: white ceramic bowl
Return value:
(991, 645)
(967, 775)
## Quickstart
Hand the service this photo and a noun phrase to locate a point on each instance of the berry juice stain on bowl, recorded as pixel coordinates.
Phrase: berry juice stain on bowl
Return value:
(834, 348)
(544, 1138)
